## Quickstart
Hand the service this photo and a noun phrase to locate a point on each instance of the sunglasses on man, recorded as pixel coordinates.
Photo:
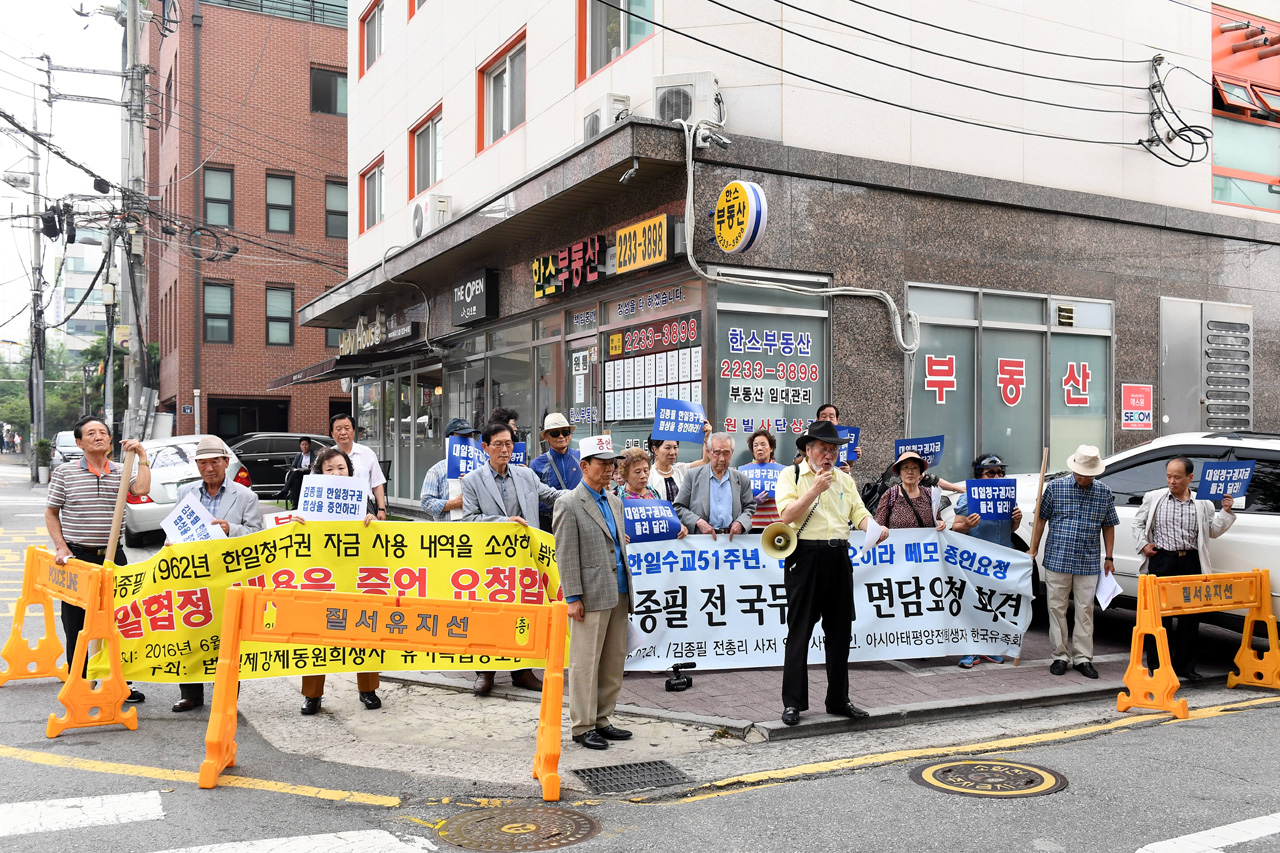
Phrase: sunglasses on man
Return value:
(559, 433)
(993, 472)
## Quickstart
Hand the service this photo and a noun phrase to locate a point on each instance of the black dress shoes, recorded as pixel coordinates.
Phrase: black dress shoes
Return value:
(791, 716)
(1189, 675)
(1086, 669)
(526, 679)
(613, 733)
(849, 710)
(186, 705)
(591, 740)
(136, 697)
(484, 683)
(310, 705)
(370, 700)
(1058, 667)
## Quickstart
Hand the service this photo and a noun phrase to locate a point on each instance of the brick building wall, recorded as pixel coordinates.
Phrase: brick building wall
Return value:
(255, 120)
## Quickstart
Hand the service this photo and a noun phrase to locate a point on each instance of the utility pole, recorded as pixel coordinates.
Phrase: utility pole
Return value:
(134, 296)
(37, 290)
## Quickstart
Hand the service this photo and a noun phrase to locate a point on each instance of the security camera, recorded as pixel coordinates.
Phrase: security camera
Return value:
(630, 173)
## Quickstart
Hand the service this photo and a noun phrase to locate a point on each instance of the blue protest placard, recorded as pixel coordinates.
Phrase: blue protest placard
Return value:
(1218, 479)
(930, 447)
(518, 454)
(677, 420)
(851, 433)
(650, 521)
(994, 500)
(465, 455)
(763, 477)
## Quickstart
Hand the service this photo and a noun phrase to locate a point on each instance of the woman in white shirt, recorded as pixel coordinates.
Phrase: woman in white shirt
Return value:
(666, 476)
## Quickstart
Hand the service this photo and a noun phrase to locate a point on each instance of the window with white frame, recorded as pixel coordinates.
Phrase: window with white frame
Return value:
(372, 32)
(611, 31)
(427, 160)
(372, 196)
(504, 89)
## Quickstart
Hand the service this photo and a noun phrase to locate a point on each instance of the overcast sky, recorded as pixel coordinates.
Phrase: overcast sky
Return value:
(89, 133)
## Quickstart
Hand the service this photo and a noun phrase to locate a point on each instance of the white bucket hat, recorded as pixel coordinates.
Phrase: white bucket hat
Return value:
(555, 420)
(1086, 461)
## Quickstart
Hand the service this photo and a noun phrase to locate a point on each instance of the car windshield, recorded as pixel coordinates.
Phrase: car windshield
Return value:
(65, 439)
(169, 455)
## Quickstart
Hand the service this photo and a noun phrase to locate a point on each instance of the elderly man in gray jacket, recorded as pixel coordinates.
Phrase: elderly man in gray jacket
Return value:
(716, 498)
(591, 552)
(500, 491)
(234, 508)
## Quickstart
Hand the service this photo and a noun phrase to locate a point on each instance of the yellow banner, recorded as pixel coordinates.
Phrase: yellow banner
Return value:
(169, 609)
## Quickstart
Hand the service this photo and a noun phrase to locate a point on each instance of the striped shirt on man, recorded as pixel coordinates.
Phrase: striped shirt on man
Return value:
(86, 501)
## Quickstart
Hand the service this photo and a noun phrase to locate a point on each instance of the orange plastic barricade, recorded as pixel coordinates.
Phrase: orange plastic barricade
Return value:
(301, 617)
(92, 588)
(1173, 596)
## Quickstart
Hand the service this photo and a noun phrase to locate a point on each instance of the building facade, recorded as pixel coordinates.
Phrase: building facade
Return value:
(76, 315)
(246, 163)
(982, 224)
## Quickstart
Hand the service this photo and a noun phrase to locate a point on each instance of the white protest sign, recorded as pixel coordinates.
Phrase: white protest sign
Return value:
(330, 497)
(191, 522)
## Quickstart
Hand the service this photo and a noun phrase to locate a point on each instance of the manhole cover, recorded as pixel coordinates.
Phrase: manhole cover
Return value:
(617, 778)
(973, 778)
(539, 828)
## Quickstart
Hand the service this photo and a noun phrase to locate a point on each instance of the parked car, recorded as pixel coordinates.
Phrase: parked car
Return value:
(173, 465)
(267, 456)
(65, 449)
(1252, 542)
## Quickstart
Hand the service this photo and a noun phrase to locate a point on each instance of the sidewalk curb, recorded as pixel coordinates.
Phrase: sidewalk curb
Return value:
(817, 725)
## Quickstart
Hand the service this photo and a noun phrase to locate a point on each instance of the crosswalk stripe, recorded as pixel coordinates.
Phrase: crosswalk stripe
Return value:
(338, 842)
(1214, 840)
(54, 815)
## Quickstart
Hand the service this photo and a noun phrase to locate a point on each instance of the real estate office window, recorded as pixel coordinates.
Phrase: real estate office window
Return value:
(504, 90)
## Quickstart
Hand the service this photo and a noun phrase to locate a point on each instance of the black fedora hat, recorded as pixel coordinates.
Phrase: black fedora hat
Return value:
(820, 431)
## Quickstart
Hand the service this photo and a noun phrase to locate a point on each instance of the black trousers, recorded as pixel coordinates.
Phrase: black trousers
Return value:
(819, 581)
(1183, 640)
(72, 616)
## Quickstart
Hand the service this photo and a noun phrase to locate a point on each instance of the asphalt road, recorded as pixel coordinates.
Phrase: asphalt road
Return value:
(1131, 781)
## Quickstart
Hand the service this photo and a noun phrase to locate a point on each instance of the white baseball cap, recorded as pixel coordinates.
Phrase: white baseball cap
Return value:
(597, 446)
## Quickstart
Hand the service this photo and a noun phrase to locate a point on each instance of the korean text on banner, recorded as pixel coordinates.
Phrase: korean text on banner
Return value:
(168, 609)
(518, 455)
(328, 497)
(994, 500)
(677, 420)
(763, 477)
(920, 593)
(191, 522)
(1218, 479)
(846, 450)
(930, 447)
(465, 455)
(650, 521)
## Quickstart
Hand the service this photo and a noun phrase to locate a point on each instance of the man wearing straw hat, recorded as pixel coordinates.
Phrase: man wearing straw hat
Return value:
(1076, 510)
(81, 508)
(558, 467)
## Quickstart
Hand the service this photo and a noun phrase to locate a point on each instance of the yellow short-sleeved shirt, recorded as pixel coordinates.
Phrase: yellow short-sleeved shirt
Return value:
(837, 508)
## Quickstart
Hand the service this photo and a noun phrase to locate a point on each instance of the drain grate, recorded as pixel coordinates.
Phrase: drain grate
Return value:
(617, 778)
(517, 829)
(988, 778)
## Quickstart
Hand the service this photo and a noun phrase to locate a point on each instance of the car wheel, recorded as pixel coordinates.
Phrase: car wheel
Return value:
(133, 540)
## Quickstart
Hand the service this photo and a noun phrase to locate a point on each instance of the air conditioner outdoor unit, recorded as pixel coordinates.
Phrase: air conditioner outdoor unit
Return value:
(604, 112)
(690, 96)
(439, 210)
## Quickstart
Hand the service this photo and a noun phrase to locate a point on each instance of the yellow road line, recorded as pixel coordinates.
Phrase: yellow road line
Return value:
(92, 766)
(753, 780)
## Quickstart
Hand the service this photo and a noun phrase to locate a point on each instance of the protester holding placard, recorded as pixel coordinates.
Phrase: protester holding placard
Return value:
(333, 461)
(829, 412)
(763, 475)
(821, 503)
(364, 462)
(497, 492)
(1172, 531)
(435, 499)
(667, 475)
(716, 498)
(911, 504)
(1078, 511)
(233, 507)
(996, 528)
(558, 467)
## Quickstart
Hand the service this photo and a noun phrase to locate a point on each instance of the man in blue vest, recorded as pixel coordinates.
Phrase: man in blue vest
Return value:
(558, 467)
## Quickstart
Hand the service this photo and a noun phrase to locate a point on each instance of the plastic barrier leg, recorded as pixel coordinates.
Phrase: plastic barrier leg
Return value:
(1155, 690)
(23, 659)
(546, 760)
(95, 706)
(220, 737)
(1259, 670)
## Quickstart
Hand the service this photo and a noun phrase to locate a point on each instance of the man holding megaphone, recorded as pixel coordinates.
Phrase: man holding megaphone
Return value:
(817, 504)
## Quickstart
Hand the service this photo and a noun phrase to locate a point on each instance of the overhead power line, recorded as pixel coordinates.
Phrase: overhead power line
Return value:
(944, 80)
